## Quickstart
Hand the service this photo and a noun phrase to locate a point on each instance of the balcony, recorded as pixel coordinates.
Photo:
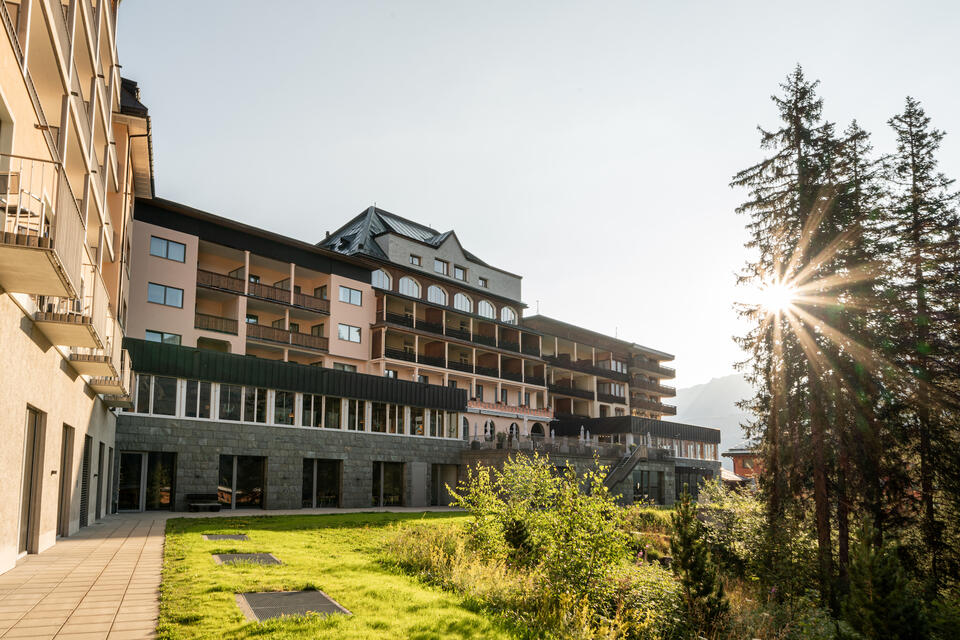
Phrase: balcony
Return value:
(283, 336)
(458, 333)
(77, 322)
(492, 372)
(399, 318)
(531, 350)
(650, 405)
(213, 280)
(311, 303)
(570, 391)
(654, 367)
(609, 397)
(586, 367)
(466, 367)
(510, 346)
(96, 365)
(490, 341)
(499, 407)
(536, 381)
(41, 242)
(266, 292)
(215, 323)
(636, 382)
(432, 361)
(432, 327)
(400, 354)
(510, 375)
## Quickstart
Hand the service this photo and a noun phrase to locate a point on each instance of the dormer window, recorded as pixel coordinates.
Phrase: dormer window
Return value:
(441, 266)
(416, 261)
(459, 273)
(483, 283)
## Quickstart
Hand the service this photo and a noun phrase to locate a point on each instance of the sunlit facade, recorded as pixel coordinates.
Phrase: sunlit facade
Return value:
(74, 152)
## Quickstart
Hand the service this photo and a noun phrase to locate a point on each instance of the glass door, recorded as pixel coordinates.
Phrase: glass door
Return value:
(131, 481)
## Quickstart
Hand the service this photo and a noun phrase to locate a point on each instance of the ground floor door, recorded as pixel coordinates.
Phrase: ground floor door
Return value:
(242, 482)
(100, 479)
(146, 481)
(30, 481)
(321, 483)
(387, 484)
(85, 482)
(443, 477)
(66, 480)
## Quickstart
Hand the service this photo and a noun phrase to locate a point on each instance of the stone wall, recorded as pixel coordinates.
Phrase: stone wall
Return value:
(199, 444)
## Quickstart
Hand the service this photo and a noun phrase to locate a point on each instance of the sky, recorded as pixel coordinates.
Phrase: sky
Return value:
(587, 146)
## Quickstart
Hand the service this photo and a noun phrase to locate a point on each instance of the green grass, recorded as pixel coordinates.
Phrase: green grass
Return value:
(338, 554)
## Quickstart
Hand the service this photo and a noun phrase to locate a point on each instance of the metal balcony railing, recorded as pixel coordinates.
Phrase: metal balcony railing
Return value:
(460, 366)
(457, 333)
(399, 318)
(400, 354)
(40, 213)
(638, 382)
(538, 381)
(482, 339)
(511, 375)
(570, 391)
(492, 372)
(652, 366)
(432, 327)
(531, 350)
(433, 361)
(609, 397)
(510, 346)
(650, 405)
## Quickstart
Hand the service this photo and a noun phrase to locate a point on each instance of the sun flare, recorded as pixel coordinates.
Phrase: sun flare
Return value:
(777, 297)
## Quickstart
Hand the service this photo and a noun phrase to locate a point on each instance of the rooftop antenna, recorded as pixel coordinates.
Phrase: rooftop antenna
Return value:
(538, 307)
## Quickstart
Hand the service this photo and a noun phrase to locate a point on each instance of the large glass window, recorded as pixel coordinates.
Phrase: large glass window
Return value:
(380, 279)
(161, 336)
(378, 417)
(143, 393)
(162, 294)
(164, 396)
(254, 404)
(436, 295)
(283, 407)
(351, 296)
(441, 266)
(198, 399)
(436, 422)
(451, 424)
(161, 472)
(508, 315)
(416, 421)
(231, 399)
(387, 484)
(331, 416)
(163, 248)
(462, 303)
(312, 411)
(397, 419)
(355, 418)
(486, 310)
(348, 333)
(321, 483)
(242, 481)
(409, 287)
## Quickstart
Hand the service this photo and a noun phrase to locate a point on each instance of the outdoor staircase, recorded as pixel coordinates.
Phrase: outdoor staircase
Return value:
(624, 466)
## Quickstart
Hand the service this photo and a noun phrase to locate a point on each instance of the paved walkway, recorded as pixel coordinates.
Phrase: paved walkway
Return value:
(103, 583)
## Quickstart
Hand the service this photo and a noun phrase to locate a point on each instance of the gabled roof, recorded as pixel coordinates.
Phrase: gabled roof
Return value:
(359, 235)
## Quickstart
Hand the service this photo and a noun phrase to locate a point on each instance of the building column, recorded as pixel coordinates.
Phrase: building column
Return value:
(291, 282)
(246, 272)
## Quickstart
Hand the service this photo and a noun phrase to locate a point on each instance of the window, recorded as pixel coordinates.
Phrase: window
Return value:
(253, 318)
(283, 407)
(462, 303)
(163, 248)
(416, 421)
(348, 332)
(380, 279)
(436, 423)
(230, 401)
(390, 373)
(416, 261)
(198, 399)
(409, 287)
(508, 315)
(311, 414)
(162, 336)
(350, 296)
(423, 379)
(485, 309)
(162, 294)
(478, 393)
(526, 399)
(436, 295)
(441, 266)
(331, 412)
(355, 415)
(317, 330)
(397, 417)
(503, 396)
(378, 417)
(320, 292)
(254, 404)
(339, 366)
(254, 279)
(459, 273)
(451, 425)
(164, 396)
(483, 283)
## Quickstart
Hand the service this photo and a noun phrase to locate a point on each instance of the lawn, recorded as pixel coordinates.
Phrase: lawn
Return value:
(338, 554)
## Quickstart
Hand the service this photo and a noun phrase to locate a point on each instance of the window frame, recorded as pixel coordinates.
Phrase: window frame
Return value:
(165, 288)
(385, 277)
(462, 296)
(441, 266)
(166, 249)
(350, 291)
(163, 337)
(416, 260)
(350, 332)
(463, 273)
(416, 287)
(443, 296)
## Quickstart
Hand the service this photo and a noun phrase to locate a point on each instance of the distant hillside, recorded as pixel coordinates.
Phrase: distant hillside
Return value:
(714, 405)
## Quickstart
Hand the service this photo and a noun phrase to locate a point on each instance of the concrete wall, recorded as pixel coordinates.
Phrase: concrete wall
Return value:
(36, 375)
(199, 444)
(398, 250)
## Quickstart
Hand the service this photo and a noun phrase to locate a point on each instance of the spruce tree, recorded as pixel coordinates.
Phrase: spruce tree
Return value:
(700, 582)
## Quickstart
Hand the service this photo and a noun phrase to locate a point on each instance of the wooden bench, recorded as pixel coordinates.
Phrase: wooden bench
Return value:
(203, 502)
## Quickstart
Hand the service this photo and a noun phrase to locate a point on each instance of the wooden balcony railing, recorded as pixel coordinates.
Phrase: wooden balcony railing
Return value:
(313, 303)
(537, 381)
(531, 350)
(570, 391)
(400, 354)
(283, 336)
(652, 366)
(609, 397)
(650, 405)
(215, 323)
(309, 340)
(265, 291)
(213, 280)
(638, 382)
(586, 367)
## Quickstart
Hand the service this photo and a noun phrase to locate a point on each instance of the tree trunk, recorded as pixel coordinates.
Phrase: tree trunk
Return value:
(820, 493)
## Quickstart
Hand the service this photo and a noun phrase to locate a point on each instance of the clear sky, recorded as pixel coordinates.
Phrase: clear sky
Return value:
(584, 145)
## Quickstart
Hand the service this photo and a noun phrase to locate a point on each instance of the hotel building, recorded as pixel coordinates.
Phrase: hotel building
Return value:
(368, 370)
(74, 152)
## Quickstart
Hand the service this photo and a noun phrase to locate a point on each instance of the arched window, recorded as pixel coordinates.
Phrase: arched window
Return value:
(409, 287)
(485, 309)
(436, 295)
(462, 303)
(536, 430)
(380, 279)
(466, 429)
(489, 430)
(514, 431)
(508, 315)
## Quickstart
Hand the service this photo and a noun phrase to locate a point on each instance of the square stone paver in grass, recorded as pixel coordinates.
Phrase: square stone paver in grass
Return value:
(255, 558)
(275, 604)
(225, 536)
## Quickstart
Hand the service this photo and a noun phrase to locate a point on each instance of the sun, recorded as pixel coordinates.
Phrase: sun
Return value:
(777, 297)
